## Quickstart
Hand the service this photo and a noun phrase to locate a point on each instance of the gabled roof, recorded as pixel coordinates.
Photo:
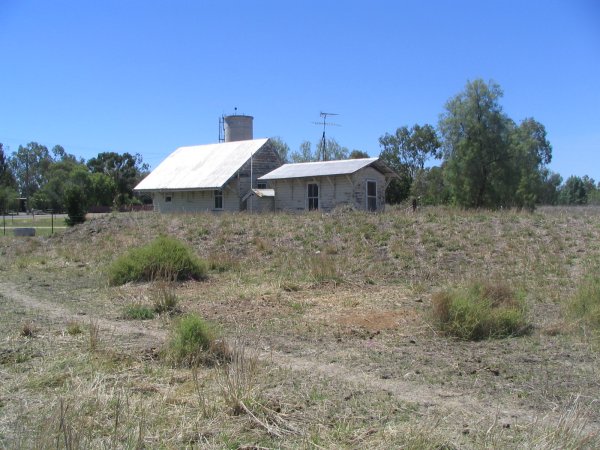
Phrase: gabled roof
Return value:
(326, 168)
(200, 166)
(259, 193)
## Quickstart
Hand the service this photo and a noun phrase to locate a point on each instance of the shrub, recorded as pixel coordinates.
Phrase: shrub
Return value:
(585, 305)
(192, 341)
(138, 312)
(75, 204)
(480, 311)
(165, 258)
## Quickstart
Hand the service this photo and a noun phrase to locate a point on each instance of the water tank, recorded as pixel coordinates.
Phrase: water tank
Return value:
(238, 128)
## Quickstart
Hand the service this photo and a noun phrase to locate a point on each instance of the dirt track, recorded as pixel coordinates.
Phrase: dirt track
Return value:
(133, 335)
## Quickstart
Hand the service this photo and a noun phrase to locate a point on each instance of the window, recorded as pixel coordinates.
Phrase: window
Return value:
(261, 185)
(218, 195)
(371, 195)
(313, 196)
(168, 198)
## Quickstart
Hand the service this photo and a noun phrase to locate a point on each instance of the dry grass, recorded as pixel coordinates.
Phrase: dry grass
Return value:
(326, 322)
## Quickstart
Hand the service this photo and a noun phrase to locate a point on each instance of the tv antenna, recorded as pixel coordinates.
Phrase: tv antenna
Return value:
(325, 123)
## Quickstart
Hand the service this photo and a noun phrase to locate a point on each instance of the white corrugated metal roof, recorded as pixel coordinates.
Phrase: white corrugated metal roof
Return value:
(259, 193)
(325, 168)
(200, 166)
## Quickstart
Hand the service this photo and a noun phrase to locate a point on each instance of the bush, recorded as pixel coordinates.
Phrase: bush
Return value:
(75, 204)
(480, 311)
(138, 312)
(192, 341)
(585, 305)
(165, 258)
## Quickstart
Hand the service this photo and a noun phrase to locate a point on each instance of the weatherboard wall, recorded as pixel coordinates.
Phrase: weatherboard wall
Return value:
(196, 201)
(292, 194)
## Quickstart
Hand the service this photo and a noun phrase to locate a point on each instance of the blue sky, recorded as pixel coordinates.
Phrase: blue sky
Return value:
(149, 76)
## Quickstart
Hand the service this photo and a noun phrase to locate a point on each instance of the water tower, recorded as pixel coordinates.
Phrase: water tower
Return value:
(237, 127)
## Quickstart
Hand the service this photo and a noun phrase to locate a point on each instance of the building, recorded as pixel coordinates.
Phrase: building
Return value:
(214, 177)
(243, 173)
(359, 183)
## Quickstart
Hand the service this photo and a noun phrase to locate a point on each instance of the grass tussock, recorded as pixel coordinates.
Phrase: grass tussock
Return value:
(163, 258)
(138, 312)
(194, 341)
(165, 298)
(480, 311)
(585, 304)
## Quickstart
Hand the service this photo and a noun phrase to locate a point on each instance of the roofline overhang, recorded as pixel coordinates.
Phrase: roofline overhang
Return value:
(378, 165)
(181, 189)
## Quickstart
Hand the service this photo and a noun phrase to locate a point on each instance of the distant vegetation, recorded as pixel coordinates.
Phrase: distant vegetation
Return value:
(62, 182)
(488, 160)
(165, 258)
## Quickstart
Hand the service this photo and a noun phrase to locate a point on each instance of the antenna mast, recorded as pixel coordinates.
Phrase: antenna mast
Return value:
(323, 139)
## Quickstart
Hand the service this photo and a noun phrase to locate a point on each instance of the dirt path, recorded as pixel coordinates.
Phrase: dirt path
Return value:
(135, 335)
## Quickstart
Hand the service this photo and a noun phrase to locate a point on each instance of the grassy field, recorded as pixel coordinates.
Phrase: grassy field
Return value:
(331, 328)
(43, 224)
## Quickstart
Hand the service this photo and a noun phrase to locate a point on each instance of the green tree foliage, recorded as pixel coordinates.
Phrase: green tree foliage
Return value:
(573, 192)
(358, 154)
(406, 151)
(8, 199)
(282, 149)
(430, 187)
(59, 174)
(7, 178)
(490, 161)
(103, 190)
(30, 165)
(75, 204)
(125, 169)
(549, 190)
(333, 151)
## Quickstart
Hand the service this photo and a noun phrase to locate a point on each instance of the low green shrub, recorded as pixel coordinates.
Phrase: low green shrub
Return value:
(585, 304)
(193, 341)
(480, 311)
(138, 312)
(165, 258)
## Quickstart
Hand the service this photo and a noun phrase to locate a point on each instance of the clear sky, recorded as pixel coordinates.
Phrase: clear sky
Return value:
(149, 76)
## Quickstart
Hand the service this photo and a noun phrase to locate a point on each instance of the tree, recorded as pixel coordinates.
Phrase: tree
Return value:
(75, 204)
(7, 178)
(59, 174)
(475, 142)
(358, 154)
(530, 152)
(282, 149)
(103, 190)
(8, 199)
(549, 189)
(333, 151)
(430, 187)
(490, 161)
(573, 192)
(304, 154)
(410, 148)
(125, 169)
(30, 165)
(406, 151)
